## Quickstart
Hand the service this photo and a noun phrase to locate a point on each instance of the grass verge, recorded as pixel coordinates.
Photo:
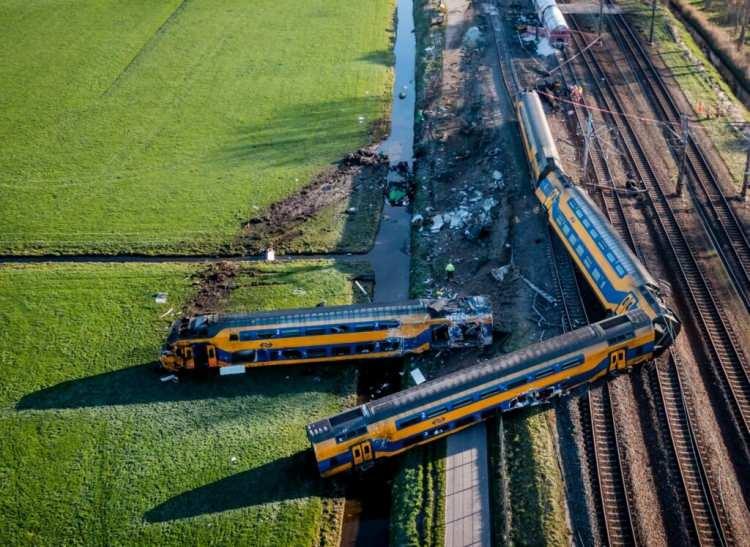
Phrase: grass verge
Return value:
(418, 508)
(700, 82)
(161, 127)
(96, 450)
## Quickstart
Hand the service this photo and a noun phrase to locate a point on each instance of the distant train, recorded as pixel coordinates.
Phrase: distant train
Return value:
(553, 21)
(230, 343)
(642, 327)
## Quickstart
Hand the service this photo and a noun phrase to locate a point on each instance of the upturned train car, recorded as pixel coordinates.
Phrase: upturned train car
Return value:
(357, 438)
(615, 274)
(230, 343)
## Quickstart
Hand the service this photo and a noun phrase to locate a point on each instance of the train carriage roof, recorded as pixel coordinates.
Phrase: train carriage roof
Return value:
(212, 324)
(536, 354)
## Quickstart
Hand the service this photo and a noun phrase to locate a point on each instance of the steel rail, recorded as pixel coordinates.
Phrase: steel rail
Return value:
(718, 216)
(721, 343)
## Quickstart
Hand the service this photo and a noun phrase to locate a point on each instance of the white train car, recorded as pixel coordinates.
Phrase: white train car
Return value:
(553, 21)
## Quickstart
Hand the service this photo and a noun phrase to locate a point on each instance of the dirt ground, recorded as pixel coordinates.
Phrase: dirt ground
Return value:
(356, 183)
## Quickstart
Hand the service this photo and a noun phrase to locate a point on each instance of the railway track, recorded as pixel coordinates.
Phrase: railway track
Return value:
(718, 216)
(598, 411)
(699, 483)
(721, 344)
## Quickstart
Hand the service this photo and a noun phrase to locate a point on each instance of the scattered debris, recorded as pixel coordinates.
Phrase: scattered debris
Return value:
(500, 273)
(473, 37)
(548, 297)
(417, 220)
(160, 298)
(170, 311)
(417, 376)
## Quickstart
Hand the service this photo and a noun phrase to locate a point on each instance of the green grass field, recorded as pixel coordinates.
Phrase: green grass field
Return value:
(96, 450)
(157, 127)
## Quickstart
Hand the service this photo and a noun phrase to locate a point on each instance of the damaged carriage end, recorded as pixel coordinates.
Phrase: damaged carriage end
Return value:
(462, 322)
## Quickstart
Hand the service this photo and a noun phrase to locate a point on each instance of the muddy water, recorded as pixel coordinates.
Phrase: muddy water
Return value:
(368, 498)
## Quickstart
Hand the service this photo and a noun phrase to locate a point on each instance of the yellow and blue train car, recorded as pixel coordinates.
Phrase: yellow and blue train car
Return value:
(617, 277)
(233, 342)
(357, 438)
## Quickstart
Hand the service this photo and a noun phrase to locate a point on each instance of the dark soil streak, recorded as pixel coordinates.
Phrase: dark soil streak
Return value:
(281, 221)
(148, 46)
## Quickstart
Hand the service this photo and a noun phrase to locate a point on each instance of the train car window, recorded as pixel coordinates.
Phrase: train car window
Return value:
(466, 420)
(545, 372)
(384, 325)
(462, 402)
(351, 434)
(341, 350)
(565, 365)
(365, 348)
(233, 337)
(620, 338)
(290, 332)
(347, 416)
(406, 422)
(515, 383)
(315, 331)
(316, 352)
(491, 391)
(435, 411)
(390, 345)
(292, 354)
(615, 321)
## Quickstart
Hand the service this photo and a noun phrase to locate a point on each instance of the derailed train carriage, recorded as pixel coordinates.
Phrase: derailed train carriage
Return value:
(553, 22)
(231, 343)
(642, 327)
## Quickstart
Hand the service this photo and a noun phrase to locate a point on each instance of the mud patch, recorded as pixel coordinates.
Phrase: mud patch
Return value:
(354, 188)
(213, 287)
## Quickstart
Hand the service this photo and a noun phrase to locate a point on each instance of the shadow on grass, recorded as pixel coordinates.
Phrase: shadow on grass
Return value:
(302, 134)
(141, 384)
(292, 477)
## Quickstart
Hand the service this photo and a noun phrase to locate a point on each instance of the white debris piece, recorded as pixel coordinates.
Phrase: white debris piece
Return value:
(270, 254)
(168, 312)
(417, 220)
(544, 48)
(299, 291)
(233, 460)
(497, 176)
(500, 273)
(160, 298)
(170, 378)
(437, 224)
(417, 376)
(488, 204)
(473, 37)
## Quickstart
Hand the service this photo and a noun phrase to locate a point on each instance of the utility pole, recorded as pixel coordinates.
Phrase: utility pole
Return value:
(683, 156)
(588, 133)
(653, 17)
(746, 179)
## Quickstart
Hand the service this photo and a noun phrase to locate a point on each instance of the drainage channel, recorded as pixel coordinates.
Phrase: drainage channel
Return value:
(368, 498)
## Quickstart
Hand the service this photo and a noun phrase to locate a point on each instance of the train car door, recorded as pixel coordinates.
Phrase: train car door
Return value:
(211, 354)
(205, 355)
(616, 360)
(362, 453)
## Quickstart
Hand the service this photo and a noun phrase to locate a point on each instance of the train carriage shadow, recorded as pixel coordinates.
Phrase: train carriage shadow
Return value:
(256, 486)
(141, 385)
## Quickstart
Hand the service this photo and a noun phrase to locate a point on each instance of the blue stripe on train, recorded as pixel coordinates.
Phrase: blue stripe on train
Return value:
(384, 445)
(611, 294)
(409, 344)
